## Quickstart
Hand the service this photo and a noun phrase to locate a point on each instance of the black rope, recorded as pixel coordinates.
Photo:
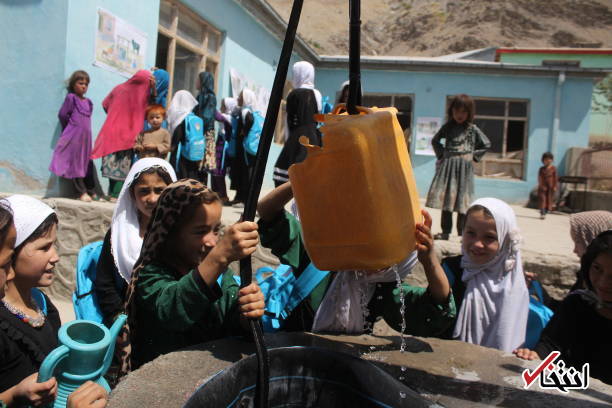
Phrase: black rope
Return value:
(354, 93)
(265, 140)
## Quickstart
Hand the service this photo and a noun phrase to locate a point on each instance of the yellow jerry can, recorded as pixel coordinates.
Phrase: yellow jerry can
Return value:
(357, 197)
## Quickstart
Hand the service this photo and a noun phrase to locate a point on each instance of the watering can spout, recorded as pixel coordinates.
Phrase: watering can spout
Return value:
(114, 332)
(116, 327)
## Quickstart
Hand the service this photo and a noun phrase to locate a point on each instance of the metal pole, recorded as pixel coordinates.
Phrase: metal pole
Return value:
(250, 206)
(354, 93)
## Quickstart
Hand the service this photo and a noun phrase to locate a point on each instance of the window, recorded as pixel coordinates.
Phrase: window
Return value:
(186, 45)
(403, 103)
(504, 121)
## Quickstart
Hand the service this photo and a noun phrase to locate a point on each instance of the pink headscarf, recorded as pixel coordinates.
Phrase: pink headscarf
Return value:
(125, 107)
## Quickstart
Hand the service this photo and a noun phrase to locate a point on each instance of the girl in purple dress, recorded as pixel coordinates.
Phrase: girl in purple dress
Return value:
(71, 158)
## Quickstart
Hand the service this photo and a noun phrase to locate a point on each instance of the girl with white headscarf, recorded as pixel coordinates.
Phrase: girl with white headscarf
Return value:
(487, 278)
(182, 104)
(28, 319)
(123, 241)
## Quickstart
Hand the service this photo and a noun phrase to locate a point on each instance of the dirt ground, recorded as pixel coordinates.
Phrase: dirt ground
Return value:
(434, 28)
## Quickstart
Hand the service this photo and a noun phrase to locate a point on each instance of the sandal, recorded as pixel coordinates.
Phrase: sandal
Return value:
(86, 198)
(441, 236)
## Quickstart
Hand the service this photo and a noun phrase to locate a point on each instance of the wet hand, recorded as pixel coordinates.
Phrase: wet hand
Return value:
(88, 395)
(526, 354)
(31, 392)
(424, 239)
(240, 240)
(251, 301)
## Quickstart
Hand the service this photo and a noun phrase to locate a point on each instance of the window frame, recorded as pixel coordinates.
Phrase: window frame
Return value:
(505, 118)
(175, 39)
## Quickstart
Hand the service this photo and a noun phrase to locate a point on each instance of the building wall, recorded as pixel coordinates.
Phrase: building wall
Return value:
(32, 90)
(600, 122)
(431, 89)
(55, 38)
(586, 60)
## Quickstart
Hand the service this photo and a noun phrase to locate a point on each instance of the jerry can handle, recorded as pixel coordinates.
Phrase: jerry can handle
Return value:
(51, 361)
(341, 109)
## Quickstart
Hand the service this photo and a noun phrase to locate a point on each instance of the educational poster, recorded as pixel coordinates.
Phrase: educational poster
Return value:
(120, 47)
(426, 128)
(240, 82)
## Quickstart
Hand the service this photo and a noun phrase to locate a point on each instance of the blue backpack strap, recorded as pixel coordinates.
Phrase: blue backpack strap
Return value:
(40, 300)
(449, 274)
(304, 285)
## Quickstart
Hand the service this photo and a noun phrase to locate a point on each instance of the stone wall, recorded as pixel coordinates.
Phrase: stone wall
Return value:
(79, 224)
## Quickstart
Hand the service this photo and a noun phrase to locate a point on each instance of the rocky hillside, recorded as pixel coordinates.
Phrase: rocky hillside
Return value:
(433, 28)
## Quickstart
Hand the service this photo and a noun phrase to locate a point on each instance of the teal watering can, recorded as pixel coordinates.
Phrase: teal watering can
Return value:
(85, 354)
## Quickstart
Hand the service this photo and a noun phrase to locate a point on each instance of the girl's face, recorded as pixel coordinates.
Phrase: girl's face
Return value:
(480, 240)
(155, 119)
(460, 115)
(199, 235)
(146, 191)
(601, 276)
(6, 258)
(36, 260)
(80, 87)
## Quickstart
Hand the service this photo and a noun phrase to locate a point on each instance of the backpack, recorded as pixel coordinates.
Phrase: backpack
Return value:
(193, 147)
(539, 315)
(251, 140)
(84, 298)
(283, 292)
(231, 144)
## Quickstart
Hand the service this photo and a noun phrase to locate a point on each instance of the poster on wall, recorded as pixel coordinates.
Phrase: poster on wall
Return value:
(239, 82)
(120, 47)
(426, 128)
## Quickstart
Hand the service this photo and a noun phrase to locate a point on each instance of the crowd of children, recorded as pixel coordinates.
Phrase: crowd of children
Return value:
(140, 124)
(165, 264)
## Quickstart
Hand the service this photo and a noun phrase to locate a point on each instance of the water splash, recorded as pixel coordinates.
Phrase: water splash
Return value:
(402, 309)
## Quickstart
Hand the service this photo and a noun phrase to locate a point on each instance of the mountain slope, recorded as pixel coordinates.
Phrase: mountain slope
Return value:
(433, 28)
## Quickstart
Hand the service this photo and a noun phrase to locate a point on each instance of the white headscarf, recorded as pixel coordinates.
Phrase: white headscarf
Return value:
(182, 104)
(303, 77)
(125, 228)
(249, 102)
(28, 214)
(230, 104)
(342, 310)
(496, 302)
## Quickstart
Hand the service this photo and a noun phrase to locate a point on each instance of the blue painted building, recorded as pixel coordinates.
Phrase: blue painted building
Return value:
(525, 110)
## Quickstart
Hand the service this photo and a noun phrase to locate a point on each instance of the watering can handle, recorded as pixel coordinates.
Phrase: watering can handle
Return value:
(51, 361)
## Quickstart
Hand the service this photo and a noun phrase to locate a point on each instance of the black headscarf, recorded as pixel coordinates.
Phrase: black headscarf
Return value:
(207, 101)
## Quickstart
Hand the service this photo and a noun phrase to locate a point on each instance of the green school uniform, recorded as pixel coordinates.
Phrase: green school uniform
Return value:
(423, 316)
(176, 313)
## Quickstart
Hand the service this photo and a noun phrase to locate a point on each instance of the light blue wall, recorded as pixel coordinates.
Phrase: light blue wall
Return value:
(33, 51)
(52, 38)
(248, 47)
(431, 89)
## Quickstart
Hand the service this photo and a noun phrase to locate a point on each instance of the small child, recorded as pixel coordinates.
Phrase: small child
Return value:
(452, 188)
(547, 184)
(71, 155)
(487, 279)
(154, 142)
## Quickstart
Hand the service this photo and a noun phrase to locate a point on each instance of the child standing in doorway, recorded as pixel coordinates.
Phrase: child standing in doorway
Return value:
(452, 188)
(155, 141)
(71, 155)
(547, 184)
